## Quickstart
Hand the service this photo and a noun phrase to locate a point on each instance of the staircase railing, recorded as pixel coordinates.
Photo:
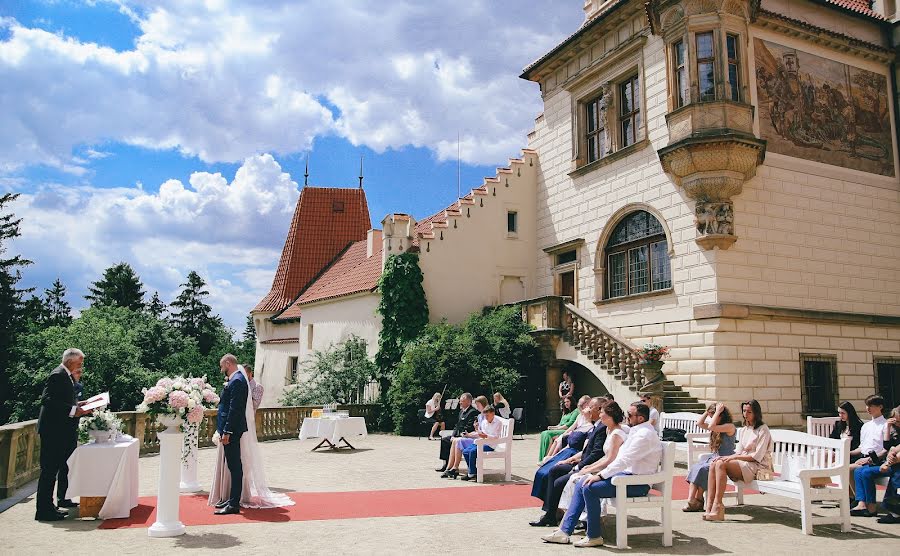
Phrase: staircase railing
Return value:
(616, 355)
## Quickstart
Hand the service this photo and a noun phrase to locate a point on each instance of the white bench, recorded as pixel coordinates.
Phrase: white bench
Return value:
(822, 426)
(660, 481)
(502, 449)
(828, 459)
(681, 420)
(697, 446)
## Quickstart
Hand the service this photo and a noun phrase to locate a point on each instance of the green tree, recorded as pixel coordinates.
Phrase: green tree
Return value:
(337, 374)
(492, 351)
(59, 312)
(33, 315)
(156, 307)
(119, 287)
(193, 317)
(11, 306)
(247, 346)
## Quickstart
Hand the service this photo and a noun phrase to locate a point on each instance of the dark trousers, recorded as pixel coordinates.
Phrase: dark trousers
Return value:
(236, 467)
(556, 482)
(54, 452)
(445, 448)
(62, 478)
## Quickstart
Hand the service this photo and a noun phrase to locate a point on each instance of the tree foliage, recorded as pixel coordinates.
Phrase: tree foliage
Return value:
(156, 307)
(12, 322)
(59, 312)
(492, 351)
(337, 374)
(193, 317)
(120, 286)
(247, 346)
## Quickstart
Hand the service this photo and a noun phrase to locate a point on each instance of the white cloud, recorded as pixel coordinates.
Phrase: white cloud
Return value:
(231, 233)
(225, 80)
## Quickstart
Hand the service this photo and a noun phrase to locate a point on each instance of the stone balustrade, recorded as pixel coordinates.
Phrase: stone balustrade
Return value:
(20, 444)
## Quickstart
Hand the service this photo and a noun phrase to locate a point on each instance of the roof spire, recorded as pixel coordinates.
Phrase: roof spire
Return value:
(306, 174)
(360, 170)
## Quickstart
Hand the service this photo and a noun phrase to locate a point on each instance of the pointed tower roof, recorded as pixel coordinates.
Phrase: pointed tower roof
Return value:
(325, 221)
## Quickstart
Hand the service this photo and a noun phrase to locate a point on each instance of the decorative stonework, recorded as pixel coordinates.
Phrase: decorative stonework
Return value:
(715, 224)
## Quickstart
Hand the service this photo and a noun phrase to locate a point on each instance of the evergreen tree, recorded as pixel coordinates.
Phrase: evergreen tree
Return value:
(34, 315)
(58, 310)
(11, 306)
(119, 287)
(193, 317)
(247, 345)
(156, 307)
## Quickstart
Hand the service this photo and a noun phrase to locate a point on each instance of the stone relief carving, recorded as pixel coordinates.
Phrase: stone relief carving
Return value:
(714, 217)
(672, 16)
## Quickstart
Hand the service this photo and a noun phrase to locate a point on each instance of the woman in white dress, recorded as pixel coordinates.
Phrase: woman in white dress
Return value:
(612, 416)
(256, 493)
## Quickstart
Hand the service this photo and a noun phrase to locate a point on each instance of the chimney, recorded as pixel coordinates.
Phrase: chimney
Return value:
(398, 231)
(373, 238)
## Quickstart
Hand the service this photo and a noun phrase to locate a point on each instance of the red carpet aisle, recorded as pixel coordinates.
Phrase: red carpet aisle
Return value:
(311, 506)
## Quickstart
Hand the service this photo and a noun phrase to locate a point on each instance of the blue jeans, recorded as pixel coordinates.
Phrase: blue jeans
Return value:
(589, 498)
(865, 482)
(471, 454)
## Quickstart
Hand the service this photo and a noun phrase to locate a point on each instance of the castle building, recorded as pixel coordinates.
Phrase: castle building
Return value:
(716, 176)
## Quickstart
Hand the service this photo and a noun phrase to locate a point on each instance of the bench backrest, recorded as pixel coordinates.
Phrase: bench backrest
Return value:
(506, 434)
(683, 420)
(821, 426)
(666, 464)
(821, 452)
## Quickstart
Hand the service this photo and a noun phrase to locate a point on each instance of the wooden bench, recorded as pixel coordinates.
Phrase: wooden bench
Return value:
(502, 449)
(661, 482)
(827, 458)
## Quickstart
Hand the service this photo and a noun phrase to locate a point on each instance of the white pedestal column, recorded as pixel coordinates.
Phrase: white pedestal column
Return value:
(189, 482)
(167, 519)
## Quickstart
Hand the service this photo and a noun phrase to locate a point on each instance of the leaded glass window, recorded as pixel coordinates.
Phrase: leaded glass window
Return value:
(637, 256)
(706, 62)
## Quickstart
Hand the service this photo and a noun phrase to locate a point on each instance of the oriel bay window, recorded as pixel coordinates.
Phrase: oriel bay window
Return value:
(637, 257)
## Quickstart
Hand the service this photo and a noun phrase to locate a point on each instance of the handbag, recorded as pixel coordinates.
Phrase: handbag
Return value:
(765, 473)
(674, 435)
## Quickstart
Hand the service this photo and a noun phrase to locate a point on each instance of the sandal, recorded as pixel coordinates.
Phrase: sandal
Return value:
(695, 505)
(718, 514)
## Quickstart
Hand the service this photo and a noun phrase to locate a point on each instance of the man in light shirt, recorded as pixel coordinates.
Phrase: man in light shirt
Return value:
(639, 455)
(871, 439)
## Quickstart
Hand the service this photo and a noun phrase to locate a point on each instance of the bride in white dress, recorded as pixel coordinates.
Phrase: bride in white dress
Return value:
(255, 493)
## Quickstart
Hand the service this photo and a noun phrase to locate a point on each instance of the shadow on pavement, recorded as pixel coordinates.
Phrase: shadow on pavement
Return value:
(207, 540)
(790, 518)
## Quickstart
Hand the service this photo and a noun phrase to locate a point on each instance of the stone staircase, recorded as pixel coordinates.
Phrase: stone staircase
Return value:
(613, 357)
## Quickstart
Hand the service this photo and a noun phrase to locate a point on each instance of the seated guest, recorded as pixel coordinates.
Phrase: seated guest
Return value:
(465, 424)
(578, 429)
(717, 420)
(433, 413)
(871, 439)
(654, 414)
(460, 443)
(639, 455)
(891, 502)
(866, 476)
(489, 427)
(570, 414)
(551, 478)
(612, 417)
(501, 406)
(849, 425)
(755, 455)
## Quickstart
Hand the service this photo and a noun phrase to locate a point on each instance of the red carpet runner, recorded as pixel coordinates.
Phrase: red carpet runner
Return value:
(311, 506)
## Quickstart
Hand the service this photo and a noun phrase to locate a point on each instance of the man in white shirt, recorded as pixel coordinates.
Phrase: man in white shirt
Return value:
(490, 427)
(871, 439)
(639, 455)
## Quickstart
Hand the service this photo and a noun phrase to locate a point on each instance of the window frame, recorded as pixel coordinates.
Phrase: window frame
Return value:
(632, 116)
(804, 388)
(680, 73)
(293, 370)
(711, 60)
(598, 134)
(626, 249)
(885, 360)
(513, 217)
(734, 88)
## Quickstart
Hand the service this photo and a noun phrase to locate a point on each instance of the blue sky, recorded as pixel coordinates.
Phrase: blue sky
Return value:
(173, 134)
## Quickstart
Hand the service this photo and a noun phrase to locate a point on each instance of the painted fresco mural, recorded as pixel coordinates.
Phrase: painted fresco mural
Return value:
(818, 109)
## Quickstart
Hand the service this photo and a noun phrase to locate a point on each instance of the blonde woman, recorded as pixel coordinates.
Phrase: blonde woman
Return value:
(433, 411)
(501, 406)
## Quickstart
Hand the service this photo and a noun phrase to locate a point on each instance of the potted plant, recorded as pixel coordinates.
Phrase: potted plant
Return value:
(100, 426)
(650, 358)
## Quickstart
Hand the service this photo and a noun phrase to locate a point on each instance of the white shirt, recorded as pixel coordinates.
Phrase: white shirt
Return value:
(654, 415)
(68, 372)
(871, 438)
(639, 455)
(492, 429)
(431, 407)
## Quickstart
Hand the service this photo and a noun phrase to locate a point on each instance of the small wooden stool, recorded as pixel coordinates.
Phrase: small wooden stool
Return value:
(89, 506)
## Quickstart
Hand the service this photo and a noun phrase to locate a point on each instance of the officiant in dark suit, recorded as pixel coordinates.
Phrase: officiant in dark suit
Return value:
(465, 423)
(231, 423)
(58, 427)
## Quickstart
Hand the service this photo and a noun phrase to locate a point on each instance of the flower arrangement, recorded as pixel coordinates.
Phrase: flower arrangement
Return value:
(652, 353)
(186, 398)
(101, 421)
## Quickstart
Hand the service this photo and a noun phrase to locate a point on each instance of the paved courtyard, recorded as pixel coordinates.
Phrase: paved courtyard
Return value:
(767, 523)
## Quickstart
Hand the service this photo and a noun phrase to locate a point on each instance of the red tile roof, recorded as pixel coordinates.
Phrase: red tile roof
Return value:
(325, 221)
(281, 341)
(351, 272)
(863, 7)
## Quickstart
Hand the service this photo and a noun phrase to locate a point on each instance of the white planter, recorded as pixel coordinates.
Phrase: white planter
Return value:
(189, 482)
(101, 437)
(171, 440)
(169, 421)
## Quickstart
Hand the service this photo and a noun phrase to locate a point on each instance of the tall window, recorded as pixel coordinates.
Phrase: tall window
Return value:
(734, 73)
(596, 132)
(887, 376)
(682, 92)
(819, 377)
(630, 111)
(293, 366)
(512, 222)
(706, 63)
(637, 257)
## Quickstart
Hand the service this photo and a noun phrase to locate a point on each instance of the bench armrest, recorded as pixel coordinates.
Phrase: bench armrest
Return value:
(624, 480)
(806, 474)
(492, 442)
(701, 436)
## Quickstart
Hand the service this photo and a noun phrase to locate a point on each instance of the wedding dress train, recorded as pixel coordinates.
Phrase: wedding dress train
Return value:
(255, 492)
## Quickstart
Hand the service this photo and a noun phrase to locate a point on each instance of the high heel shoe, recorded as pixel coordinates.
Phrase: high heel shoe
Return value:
(717, 514)
(695, 505)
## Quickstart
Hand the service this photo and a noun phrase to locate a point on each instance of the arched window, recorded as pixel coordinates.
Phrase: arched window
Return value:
(637, 257)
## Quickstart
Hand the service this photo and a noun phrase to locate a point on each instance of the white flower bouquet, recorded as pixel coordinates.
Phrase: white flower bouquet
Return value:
(186, 398)
(101, 426)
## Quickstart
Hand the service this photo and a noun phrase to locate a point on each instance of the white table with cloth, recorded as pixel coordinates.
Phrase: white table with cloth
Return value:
(332, 431)
(108, 470)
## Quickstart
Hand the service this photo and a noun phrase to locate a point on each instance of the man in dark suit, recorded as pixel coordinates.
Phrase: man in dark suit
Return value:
(465, 423)
(62, 478)
(231, 423)
(560, 473)
(57, 425)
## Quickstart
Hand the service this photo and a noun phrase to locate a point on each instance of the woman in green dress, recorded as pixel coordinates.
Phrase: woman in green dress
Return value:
(569, 415)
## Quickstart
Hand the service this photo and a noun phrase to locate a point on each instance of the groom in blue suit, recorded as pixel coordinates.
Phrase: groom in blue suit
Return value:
(231, 423)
